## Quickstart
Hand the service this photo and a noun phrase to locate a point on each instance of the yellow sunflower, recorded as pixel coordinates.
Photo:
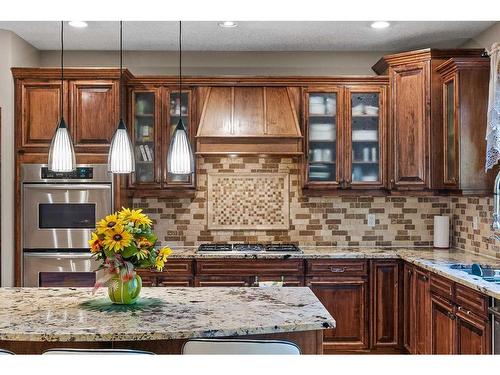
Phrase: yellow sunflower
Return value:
(135, 216)
(96, 244)
(108, 223)
(162, 258)
(117, 238)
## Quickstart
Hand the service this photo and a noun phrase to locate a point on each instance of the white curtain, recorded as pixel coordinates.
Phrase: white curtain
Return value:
(493, 126)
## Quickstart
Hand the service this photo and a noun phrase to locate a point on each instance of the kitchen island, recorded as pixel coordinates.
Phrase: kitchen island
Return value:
(35, 319)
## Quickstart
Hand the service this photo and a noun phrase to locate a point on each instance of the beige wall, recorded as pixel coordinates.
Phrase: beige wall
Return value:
(224, 63)
(486, 38)
(15, 52)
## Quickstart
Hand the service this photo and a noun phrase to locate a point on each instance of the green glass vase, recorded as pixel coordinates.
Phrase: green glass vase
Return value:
(125, 292)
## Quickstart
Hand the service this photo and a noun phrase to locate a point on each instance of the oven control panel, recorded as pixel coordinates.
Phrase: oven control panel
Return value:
(80, 173)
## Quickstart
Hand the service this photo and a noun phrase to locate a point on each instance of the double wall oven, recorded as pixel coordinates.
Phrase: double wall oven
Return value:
(58, 215)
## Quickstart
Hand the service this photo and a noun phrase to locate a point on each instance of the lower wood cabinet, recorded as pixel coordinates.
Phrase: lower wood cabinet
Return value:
(443, 326)
(177, 273)
(346, 299)
(386, 297)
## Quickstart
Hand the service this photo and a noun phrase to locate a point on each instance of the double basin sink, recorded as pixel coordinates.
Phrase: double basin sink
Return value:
(487, 273)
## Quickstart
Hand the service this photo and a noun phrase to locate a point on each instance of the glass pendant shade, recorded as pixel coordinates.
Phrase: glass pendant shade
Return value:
(121, 153)
(180, 158)
(61, 152)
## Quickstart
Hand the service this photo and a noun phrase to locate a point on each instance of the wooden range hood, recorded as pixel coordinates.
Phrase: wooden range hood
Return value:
(249, 120)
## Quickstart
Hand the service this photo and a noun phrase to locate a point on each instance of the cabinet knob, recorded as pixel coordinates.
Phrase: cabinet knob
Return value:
(337, 269)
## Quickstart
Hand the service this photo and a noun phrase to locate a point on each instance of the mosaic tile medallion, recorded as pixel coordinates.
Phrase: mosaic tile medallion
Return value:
(252, 201)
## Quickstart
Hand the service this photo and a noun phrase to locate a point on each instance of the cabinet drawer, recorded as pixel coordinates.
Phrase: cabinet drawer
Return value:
(250, 267)
(222, 281)
(468, 300)
(178, 267)
(174, 281)
(337, 267)
(442, 287)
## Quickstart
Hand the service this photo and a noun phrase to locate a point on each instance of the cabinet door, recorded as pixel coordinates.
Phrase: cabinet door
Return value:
(146, 117)
(442, 326)
(422, 312)
(409, 126)
(365, 137)
(347, 301)
(385, 304)
(281, 118)
(40, 111)
(94, 113)
(179, 107)
(473, 333)
(323, 119)
(248, 104)
(450, 132)
(409, 308)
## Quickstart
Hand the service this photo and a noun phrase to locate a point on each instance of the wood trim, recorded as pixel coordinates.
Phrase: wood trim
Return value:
(455, 64)
(70, 73)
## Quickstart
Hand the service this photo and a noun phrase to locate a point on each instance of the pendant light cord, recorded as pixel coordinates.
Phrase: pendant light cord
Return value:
(121, 70)
(180, 66)
(62, 70)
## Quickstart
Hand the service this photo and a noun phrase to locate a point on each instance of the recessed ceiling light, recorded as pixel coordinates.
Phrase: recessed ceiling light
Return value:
(228, 24)
(78, 24)
(380, 24)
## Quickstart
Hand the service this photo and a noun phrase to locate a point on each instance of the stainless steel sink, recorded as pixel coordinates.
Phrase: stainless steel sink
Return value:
(487, 273)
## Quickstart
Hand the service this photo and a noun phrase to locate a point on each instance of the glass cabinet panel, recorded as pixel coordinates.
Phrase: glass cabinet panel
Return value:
(322, 137)
(179, 108)
(365, 131)
(450, 168)
(144, 137)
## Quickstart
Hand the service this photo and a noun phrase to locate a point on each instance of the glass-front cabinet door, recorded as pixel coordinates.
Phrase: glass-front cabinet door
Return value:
(179, 107)
(322, 120)
(145, 121)
(450, 130)
(365, 137)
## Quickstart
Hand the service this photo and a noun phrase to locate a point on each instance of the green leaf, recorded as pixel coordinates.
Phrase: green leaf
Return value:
(129, 251)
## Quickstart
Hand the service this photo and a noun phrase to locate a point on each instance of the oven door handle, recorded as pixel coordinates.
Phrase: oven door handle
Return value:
(494, 312)
(59, 255)
(68, 187)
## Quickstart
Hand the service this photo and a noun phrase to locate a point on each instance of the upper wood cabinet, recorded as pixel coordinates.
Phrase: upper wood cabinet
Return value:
(90, 99)
(94, 112)
(38, 111)
(153, 114)
(345, 137)
(417, 141)
(248, 120)
(464, 87)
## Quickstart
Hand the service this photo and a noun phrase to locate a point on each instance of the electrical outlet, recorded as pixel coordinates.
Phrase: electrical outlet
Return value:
(371, 220)
(475, 223)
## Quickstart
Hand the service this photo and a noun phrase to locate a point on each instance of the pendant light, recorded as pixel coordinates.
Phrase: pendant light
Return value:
(61, 151)
(180, 159)
(121, 153)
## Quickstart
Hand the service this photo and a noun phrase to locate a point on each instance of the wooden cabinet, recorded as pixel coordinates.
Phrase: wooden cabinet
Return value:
(422, 311)
(90, 99)
(177, 273)
(420, 151)
(409, 126)
(38, 111)
(94, 111)
(464, 87)
(342, 287)
(345, 137)
(460, 322)
(409, 311)
(385, 304)
(154, 113)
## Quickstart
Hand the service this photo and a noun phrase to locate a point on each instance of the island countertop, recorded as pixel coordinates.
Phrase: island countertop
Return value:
(71, 314)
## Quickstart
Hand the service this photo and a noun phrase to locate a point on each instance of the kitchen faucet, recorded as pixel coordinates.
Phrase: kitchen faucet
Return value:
(495, 225)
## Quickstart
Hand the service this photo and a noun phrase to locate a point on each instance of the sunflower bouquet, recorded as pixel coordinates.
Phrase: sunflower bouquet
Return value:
(124, 241)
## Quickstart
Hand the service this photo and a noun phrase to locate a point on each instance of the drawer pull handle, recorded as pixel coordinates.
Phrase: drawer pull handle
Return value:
(337, 269)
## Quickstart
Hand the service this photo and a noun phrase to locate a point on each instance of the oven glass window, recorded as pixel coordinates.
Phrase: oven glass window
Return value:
(66, 215)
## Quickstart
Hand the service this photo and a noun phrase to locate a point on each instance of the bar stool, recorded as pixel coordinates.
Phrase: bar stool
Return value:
(234, 346)
(7, 352)
(73, 351)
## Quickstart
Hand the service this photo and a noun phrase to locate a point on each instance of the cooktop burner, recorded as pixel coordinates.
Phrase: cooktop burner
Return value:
(247, 247)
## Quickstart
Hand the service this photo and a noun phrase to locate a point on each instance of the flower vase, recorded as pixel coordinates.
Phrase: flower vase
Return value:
(124, 292)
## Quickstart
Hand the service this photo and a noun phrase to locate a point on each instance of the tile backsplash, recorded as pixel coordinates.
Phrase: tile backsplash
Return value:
(337, 221)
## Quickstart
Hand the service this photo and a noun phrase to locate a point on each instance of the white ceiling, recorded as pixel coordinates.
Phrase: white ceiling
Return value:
(251, 36)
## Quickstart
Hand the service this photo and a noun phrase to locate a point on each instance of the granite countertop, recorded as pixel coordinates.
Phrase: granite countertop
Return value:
(73, 314)
(435, 260)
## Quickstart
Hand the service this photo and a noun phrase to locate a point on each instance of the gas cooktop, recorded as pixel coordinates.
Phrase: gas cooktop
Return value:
(250, 247)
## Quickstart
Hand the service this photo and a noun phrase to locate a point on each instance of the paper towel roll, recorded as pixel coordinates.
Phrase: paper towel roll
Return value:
(442, 232)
